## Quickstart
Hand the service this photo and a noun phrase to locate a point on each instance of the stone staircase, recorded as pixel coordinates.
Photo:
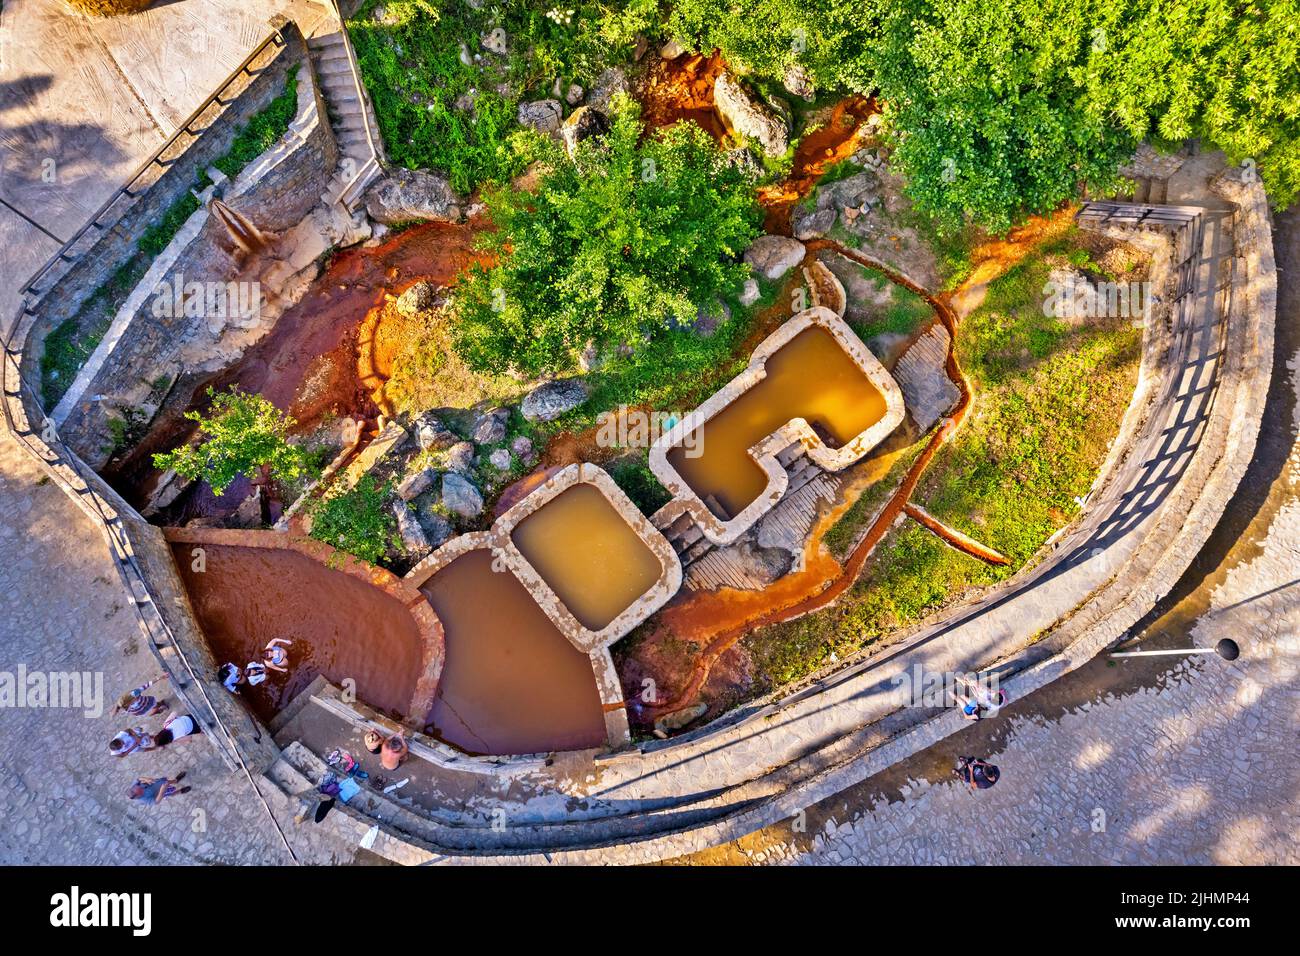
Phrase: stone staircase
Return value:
(350, 117)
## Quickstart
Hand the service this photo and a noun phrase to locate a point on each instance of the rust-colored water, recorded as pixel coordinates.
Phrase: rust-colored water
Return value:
(682, 89)
(340, 626)
(591, 558)
(810, 377)
(833, 142)
(511, 683)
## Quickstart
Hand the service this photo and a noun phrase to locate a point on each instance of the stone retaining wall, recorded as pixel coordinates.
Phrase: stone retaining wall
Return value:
(274, 192)
(101, 252)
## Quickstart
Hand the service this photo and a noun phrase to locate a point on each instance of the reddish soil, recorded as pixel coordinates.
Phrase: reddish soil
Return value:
(309, 364)
(340, 626)
(682, 89)
(833, 142)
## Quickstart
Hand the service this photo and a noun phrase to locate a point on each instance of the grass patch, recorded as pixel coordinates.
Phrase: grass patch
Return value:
(438, 111)
(842, 535)
(71, 343)
(904, 313)
(1049, 399)
(633, 475)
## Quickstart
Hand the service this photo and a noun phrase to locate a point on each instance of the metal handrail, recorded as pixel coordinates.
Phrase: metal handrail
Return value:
(276, 38)
(363, 99)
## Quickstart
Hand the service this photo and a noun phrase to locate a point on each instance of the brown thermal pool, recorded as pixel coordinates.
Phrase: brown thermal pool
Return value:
(810, 377)
(588, 554)
(340, 625)
(511, 683)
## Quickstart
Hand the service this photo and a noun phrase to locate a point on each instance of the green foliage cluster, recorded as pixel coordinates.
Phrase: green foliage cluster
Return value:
(633, 475)
(239, 435)
(70, 343)
(1001, 108)
(357, 521)
(410, 54)
(618, 246)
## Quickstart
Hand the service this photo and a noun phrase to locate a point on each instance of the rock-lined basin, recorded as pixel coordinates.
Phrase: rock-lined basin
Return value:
(574, 559)
(812, 382)
(348, 621)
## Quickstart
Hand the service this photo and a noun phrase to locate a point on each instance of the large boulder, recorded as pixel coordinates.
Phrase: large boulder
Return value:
(774, 256)
(812, 223)
(460, 497)
(859, 191)
(553, 399)
(437, 529)
(610, 82)
(749, 116)
(406, 194)
(416, 484)
(420, 297)
(414, 540)
(797, 81)
(541, 115)
(490, 427)
(461, 457)
(433, 434)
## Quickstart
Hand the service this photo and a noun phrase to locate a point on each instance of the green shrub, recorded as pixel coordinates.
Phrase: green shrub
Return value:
(240, 435)
(411, 62)
(357, 521)
(616, 247)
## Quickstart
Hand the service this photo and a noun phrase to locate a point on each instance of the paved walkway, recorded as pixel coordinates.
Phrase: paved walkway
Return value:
(84, 100)
(62, 797)
(1124, 762)
(82, 103)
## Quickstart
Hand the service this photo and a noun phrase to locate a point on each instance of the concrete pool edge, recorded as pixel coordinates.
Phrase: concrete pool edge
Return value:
(428, 627)
(595, 644)
(795, 431)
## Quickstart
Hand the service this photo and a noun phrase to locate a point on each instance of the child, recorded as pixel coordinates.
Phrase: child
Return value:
(231, 677)
(255, 673)
(139, 704)
(276, 656)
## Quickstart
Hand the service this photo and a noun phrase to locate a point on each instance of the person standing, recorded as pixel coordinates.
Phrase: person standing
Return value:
(129, 741)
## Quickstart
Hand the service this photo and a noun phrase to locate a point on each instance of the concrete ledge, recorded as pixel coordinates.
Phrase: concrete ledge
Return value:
(795, 431)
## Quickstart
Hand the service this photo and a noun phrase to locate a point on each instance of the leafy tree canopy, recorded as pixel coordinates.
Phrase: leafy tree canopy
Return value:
(1002, 108)
(618, 244)
(239, 435)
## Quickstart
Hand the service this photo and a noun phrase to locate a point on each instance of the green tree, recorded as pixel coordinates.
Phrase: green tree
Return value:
(618, 245)
(240, 434)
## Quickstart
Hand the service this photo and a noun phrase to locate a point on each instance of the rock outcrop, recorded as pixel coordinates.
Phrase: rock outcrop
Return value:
(406, 194)
(774, 256)
(553, 399)
(750, 117)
